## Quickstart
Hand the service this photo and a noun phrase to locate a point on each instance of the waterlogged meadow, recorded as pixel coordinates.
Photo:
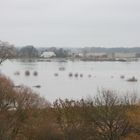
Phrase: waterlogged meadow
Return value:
(73, 80)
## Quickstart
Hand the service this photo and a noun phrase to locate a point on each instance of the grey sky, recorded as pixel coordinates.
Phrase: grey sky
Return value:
(71, 23)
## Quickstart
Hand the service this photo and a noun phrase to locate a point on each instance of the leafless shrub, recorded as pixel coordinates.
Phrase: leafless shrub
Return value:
(122, 76)
(35, 73)
(76, 75)
(70, 74)
(81, 75)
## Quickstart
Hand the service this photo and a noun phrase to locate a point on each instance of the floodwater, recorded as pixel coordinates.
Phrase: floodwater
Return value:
(54, 83)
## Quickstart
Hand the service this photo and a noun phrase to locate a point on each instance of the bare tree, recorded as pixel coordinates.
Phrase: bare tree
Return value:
(110, 116)
(7, 51)
(69, 117)
(17, 107)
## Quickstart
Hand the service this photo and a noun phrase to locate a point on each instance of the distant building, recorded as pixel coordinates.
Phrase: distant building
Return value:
(138, 55)
(97, 55)
(125, 55)
(78, 55)
(48, 54)
(111, 56)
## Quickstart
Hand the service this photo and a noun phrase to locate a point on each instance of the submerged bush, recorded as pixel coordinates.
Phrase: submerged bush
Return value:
(76, 75)
(70, 74)
(17, 73)
(81, 75)
(133, 79)
(35, 73)
(27, 73)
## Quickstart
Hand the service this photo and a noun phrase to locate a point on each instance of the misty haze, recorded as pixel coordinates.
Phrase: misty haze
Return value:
(69, 70)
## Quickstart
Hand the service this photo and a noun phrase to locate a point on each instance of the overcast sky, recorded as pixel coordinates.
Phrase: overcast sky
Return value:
(70, 23)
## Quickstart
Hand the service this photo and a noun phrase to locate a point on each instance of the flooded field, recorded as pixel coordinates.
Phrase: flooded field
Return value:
(73, 79)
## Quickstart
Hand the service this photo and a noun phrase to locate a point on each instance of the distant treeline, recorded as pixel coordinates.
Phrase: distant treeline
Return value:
(24, 115)
(112, 50)
(30, 51)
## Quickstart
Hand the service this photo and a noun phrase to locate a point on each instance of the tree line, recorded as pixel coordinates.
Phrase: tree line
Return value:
(8, 51)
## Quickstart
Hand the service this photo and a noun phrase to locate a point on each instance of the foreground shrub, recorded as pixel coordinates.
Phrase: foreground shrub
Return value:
(24, 115)
(101, 118)
(16, 107)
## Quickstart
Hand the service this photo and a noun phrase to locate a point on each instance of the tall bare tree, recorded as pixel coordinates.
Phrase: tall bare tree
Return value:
(7, 51)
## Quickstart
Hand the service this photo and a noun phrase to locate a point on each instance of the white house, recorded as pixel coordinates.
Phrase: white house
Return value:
(48, 54)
